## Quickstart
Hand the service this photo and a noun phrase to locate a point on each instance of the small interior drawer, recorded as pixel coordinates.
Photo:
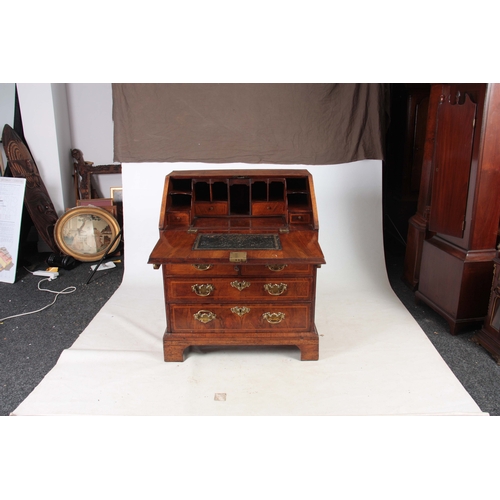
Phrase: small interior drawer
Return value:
(268, 207)
(178, 219)
(215, 208)
(300, 218)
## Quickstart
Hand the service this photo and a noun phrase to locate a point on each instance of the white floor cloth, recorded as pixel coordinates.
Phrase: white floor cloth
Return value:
(374, 357)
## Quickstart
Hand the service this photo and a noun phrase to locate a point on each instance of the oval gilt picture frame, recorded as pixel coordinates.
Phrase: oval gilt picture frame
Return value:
(85, 233)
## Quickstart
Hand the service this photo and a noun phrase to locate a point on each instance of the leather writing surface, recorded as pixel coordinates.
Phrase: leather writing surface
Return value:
(237, 242)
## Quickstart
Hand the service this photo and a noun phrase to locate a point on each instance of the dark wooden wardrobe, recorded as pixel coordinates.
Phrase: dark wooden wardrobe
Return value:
(453, 236)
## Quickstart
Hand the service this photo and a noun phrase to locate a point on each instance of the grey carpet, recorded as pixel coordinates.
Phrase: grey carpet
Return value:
(473, 366)
(31, 345)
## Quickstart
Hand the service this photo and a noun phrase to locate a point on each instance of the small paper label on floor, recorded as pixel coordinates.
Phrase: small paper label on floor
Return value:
(102, 267)
(220, 396)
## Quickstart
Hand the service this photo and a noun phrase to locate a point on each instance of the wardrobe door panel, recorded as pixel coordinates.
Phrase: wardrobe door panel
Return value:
(452, 165)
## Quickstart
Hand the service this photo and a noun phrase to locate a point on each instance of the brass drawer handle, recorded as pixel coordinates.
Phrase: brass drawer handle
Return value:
(204, 316)
(203, 290)
(240, 311)
(273, 318)
(240, 285)
(275, 288)
(276, 267)
(202, 267)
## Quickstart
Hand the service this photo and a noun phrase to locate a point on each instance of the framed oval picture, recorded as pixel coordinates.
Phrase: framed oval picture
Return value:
(85, 233)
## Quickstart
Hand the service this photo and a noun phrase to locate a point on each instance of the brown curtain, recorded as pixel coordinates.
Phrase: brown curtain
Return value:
(298, 123)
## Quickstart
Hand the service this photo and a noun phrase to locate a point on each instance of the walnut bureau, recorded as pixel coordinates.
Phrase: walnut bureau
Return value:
(239, 253)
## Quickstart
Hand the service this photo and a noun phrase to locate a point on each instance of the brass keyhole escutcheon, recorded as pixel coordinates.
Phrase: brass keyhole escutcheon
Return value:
(240, 310)
(203, 290)
(204, 316)
(240, 285)
(275, 288)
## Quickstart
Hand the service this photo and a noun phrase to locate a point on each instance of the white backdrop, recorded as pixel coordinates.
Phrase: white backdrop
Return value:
(374, 358)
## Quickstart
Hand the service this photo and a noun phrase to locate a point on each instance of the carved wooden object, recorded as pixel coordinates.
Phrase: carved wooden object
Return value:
(489, 335)
(255, 282)
(84, 170)
(36, 198)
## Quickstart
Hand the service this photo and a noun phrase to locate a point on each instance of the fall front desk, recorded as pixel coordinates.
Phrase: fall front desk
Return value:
(239, 253)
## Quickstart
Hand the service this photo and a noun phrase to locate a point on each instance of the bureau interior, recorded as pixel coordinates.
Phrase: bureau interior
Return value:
(273, 200)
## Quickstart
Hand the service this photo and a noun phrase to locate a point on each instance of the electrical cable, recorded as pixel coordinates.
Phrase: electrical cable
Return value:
(65, 291)
(396, 228)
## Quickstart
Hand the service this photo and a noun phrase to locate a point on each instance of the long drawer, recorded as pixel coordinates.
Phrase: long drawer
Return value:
(208, 269)
(239, 318)
(239, 289)
(277, 270)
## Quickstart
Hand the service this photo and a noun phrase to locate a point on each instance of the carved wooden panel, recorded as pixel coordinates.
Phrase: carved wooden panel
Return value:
(419, 121)
(84, 170)
(36, 197)
(452, 166)
(489, 335)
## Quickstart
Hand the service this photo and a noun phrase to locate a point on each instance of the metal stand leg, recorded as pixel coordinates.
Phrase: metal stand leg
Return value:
(104, 256)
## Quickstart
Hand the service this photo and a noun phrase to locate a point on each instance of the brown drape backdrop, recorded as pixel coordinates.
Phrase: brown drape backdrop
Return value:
(298, 123)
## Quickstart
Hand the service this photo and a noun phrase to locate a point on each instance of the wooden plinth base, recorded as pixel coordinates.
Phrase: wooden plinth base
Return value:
(456, 282)
(174, 346)
(456, 325)
(490, 343)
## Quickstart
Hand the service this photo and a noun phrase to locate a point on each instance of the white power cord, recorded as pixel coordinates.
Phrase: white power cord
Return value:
(67, 290)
